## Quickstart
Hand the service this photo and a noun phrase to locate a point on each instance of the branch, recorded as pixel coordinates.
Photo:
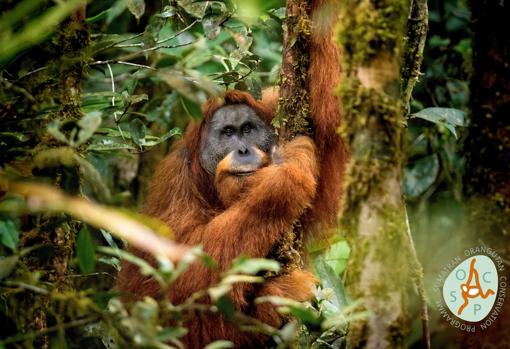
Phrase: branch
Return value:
(44, 198)
(417, 27)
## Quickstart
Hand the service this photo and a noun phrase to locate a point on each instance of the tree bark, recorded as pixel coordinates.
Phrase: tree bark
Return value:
(382, 263)
(293, 107)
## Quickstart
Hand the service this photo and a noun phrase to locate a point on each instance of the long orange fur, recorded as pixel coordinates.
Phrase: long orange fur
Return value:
(186, 198)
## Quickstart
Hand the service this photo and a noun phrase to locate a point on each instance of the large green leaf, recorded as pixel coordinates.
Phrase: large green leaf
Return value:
(448, 117)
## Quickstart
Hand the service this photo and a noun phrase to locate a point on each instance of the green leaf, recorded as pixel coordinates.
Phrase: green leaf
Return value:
(116, 10)
(253, 265)
(211, 25)
(136, 7)
(9, 234)
(17, 136)
(420, 176)
(7, 265)
(88, 125)
(337, 256)
(192, 108)
(221, 344)
(226, 307)
(167, 334)
(137, 130)
(167, 12)
(306, 315)
(100, 16)
(85, 251)
(448, 117)
(330, 279)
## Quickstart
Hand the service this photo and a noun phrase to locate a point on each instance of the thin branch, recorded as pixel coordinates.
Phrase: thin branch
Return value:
(417, 27)
(113, 61)
(178, 33)
(420, 285)
(71, 324)
(150, 49)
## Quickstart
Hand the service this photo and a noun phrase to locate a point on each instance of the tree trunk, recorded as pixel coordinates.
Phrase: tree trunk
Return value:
(487, 173)
(293, 110)
(381, 264)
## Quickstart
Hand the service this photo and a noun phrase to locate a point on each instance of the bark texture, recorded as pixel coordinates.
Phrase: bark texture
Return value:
(382, 263)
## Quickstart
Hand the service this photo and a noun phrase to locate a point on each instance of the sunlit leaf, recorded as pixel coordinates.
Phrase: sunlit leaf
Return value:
(88, 125)
(167, 12)
(253, 265)
(136, 7)
(221, 344)
(167, 334)
(337, 256)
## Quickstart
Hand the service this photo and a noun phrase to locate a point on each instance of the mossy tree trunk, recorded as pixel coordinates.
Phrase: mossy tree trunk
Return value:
(487, 172)
(67, 63)
(293, 109)
(382, 262)
(293, 106)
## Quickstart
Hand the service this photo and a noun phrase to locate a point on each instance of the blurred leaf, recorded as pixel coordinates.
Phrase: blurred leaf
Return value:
(19, 137)
(88, 125)
(191, 108)
(9, 234)
(194, 8)
(116, 10)
(211, 25)
(447, 117)
(252, 266)
(170, 333)
(85, 251)
(7, 265)
(420, 176)
(167, 12)
(337, 256)
(226, 307)
(136, 7)
(100, 16)
(437, 41)
(50, 200)
(35, 31)
(307, 315)
(221, 344)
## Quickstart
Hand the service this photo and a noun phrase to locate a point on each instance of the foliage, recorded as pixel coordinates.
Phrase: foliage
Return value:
(146, 70)
(147, 67)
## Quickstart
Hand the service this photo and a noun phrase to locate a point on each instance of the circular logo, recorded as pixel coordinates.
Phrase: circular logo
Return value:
(470, 292)
(470, 289)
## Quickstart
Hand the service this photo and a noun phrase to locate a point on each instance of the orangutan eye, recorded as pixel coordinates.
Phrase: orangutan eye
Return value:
(227, 131)
(247, 128)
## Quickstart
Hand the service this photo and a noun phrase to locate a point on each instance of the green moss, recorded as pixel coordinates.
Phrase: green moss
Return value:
(292, 116)
(370, 34)
(369, 27)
